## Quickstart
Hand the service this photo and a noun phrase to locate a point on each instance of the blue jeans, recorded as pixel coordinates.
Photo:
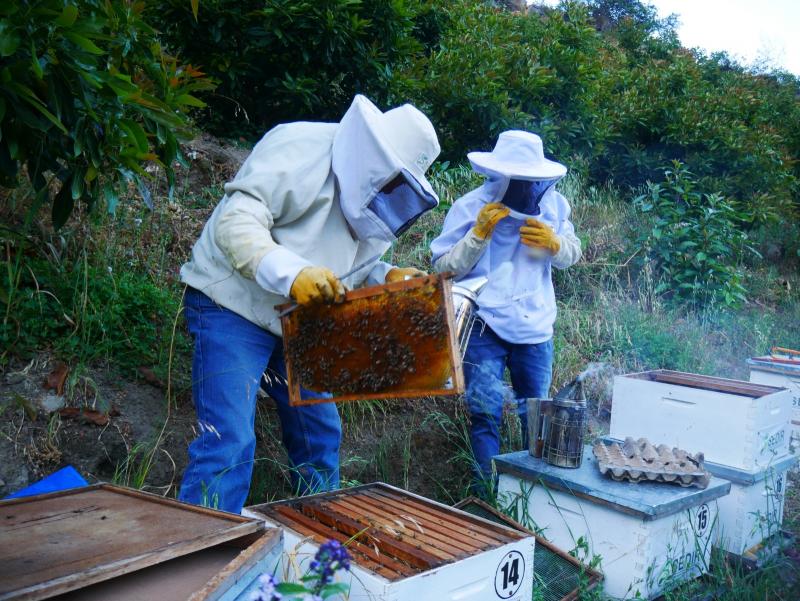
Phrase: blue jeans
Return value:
(485, 361)
(230, 356)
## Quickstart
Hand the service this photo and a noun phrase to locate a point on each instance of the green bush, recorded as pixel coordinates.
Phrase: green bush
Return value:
(614, 96)
(87, 99)
(83, 312)
(695, 239)
(286, 60)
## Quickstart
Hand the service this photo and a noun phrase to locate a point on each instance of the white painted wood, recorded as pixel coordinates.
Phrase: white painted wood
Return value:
(738, 431)
(639, 557)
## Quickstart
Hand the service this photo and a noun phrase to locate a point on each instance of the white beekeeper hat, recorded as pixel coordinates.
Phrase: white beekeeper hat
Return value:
(517, 155)
(412, 136)
(405, 132)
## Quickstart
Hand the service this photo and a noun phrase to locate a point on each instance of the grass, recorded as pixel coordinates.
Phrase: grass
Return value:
(104, 291)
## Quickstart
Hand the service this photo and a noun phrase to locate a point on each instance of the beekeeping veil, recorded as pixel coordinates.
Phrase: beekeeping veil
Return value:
(380, 160)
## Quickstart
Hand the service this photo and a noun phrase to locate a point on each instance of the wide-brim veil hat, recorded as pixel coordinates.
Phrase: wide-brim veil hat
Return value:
(517, 155)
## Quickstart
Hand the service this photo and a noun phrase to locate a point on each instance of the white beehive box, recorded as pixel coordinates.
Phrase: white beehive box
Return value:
(650, 536)
(404, 547)
(753, 511)
(734, 423)
(785, 374)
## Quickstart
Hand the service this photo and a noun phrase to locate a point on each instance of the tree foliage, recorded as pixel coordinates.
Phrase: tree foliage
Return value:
(284, 60)
(695, 240)
(614, 97)
(87, 99)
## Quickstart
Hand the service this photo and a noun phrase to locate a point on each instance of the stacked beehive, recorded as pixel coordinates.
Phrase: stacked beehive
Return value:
(743, 429)
(783, 370)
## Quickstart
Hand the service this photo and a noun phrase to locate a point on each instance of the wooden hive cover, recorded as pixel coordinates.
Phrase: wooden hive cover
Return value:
(389, 531)
(390, 341)
(62, 541)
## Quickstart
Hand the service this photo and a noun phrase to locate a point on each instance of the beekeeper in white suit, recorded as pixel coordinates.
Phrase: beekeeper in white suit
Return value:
(512, 230)
(312, 200)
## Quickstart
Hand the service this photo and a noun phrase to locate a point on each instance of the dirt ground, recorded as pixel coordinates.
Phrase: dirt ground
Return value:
(107, 425)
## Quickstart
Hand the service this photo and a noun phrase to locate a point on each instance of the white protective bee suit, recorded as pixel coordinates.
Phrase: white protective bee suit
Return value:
(309, 194)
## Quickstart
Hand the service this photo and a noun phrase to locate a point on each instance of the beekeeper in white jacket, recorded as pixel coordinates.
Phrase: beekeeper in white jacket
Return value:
(312, 200)
(512, 230)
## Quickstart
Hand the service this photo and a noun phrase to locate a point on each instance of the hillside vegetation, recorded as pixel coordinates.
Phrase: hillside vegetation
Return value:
(684, 184)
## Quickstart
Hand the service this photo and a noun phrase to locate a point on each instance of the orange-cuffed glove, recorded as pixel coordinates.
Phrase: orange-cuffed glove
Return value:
(488, 217)
(398, 274)
(317, 285)
(539, 235)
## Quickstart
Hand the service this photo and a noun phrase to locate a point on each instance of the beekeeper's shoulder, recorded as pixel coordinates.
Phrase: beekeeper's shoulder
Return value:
(559, 203)
(301, 142)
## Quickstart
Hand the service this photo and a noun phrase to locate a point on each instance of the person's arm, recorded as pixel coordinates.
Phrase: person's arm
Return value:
(570, 251)
(472, 239)
(243, 235)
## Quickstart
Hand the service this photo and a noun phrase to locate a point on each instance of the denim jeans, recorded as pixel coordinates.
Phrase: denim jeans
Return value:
(230, 356)
(485, 361)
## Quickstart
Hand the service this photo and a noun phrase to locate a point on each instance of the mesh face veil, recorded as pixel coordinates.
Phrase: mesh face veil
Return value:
(524, 196)
(399, 204)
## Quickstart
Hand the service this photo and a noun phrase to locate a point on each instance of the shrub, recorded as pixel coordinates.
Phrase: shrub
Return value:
(85, 313)
(614, 96)
(695, 240)
(286, 60)
(87, 99)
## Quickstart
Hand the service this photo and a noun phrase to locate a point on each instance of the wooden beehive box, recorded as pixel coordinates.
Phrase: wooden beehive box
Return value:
(108, 542)
(404, 547)
(395, 340)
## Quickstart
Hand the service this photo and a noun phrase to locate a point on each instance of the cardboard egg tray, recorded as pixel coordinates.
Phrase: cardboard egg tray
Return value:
(640, 461)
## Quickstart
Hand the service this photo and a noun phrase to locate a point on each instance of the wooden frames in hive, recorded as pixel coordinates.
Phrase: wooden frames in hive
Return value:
(390, 341)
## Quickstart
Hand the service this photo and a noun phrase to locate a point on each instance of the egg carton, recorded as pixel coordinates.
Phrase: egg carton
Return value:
(641, 461)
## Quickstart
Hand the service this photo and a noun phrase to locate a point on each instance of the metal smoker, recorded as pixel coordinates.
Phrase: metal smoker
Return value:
(556, 426)
(465, 295)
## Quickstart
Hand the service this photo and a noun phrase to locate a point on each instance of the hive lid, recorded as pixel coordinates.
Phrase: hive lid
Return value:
(778, 366)
(62, 541)
(703, 382)
(646, 500)
(739, 476)
(389, 531)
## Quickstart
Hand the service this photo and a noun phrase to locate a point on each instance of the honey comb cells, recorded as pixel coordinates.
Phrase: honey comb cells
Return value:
(384, 339)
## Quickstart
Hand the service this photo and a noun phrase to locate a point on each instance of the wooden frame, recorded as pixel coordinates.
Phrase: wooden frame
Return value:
(34, 531)
(371, 519)
(290, 325)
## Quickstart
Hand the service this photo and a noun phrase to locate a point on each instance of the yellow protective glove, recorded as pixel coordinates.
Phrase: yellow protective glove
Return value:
(488, 218)
(398, 274)
(317, 285)
(539, 235)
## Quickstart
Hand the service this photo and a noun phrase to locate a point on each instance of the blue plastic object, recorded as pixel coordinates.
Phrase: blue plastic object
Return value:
(63, 479)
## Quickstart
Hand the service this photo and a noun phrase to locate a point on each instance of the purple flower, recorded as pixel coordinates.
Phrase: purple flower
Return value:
(266, 589)
(330, 558)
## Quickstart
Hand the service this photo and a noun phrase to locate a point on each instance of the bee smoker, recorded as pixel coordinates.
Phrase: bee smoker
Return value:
(465, 295)
(556, 426)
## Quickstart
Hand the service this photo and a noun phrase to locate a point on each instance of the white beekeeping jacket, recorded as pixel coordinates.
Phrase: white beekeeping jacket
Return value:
(518, 301)
(301, 198)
